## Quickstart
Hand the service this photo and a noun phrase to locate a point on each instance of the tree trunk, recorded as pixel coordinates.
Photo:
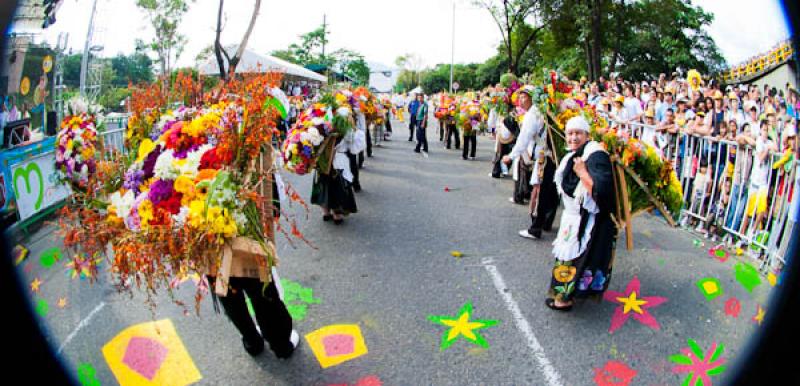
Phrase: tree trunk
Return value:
(240, 51)
(218, 49)
(596, 40)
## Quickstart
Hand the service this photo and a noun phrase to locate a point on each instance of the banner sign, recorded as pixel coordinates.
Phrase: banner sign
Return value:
(36, 186)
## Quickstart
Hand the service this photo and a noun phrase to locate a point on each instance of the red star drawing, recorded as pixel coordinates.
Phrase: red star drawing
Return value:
(633, 304)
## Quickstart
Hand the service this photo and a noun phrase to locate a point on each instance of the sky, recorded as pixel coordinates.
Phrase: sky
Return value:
(381, 30)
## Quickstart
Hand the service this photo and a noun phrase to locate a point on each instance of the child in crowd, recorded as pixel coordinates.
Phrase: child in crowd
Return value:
(716, 216)
(759, 185)
(701, 190)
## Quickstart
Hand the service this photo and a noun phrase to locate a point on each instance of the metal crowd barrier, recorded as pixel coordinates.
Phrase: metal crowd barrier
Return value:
(687, 153)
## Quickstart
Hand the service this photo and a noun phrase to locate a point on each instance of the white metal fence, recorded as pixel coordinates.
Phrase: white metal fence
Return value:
(727, 166)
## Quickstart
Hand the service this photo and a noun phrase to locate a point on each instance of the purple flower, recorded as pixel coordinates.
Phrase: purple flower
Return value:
(133, 179)
(160, 190)
(150, 162)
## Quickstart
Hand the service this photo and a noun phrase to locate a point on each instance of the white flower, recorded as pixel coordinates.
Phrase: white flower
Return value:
(123, 203)
(240, 219)
(165, 167)
(180, 219)
(192, 163)
(343, 112)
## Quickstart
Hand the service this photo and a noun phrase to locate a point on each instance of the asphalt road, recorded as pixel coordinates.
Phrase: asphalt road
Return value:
(390, 266)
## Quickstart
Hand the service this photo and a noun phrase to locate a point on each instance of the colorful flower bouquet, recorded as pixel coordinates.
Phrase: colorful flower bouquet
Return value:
(76, 149)
(305, 141)
(194, 187)
(470, 116)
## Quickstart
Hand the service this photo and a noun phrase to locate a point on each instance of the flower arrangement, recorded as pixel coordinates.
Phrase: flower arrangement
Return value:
(76, 149)
(305, 137)
(331, 117)
(469, 116)
(190, 186)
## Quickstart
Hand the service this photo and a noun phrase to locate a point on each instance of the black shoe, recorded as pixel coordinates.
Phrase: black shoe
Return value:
(409, 140)
(338, 221)
(327, 217)
(253, 348)
(536, 233)
(464, 158)
(416, 150)
(357, 188)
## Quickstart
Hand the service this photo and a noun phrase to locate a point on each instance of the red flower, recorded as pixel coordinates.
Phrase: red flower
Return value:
(171, 205)
(210, 160)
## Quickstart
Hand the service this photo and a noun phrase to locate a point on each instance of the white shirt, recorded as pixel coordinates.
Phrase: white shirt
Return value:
(633, 106)
(758, 178)
(532, 125)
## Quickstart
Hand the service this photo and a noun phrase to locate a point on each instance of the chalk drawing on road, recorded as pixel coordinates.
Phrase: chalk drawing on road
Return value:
(50, 257)
(297, 298)
(719, 253)
(733, 307)
(614, 373)
(86, 375)
(710, 287)
(81, 266)
(747, 276)
(700, 366)
(759, 316)
(42, 308)
(335, 344)
(370, 380)
(632, 304)
(461, 326)
(150, 353)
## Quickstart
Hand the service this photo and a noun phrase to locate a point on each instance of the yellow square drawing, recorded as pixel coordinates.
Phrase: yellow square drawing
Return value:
(148, 354)
(336, 344)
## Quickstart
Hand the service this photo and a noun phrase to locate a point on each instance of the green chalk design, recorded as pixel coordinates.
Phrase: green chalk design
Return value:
(86, 375)
(747, 276)
(297, 298)
(50, 257)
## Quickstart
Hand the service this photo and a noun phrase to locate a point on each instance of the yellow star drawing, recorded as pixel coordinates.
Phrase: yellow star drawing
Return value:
(462, 326)
(35, 285)
(759, 316)
(62, 302)
(631, 303)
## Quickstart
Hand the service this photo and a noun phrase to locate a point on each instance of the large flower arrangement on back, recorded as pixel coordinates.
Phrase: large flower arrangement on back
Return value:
(190, 186)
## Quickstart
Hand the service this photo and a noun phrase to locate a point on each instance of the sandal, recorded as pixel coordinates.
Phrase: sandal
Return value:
(551, 303)
(327, 217)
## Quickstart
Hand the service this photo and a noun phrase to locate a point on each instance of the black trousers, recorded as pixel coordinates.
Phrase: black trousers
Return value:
(548, 200)
(470, 142)
(497, 170)
(369, 148)
(441, 130)
(522, 186)
(452, 131)
(271, 314)
(412, 124)
(354, 169)
(388, 121)
(422, 139)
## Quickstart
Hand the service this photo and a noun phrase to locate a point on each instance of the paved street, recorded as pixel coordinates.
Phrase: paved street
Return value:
(389, 267)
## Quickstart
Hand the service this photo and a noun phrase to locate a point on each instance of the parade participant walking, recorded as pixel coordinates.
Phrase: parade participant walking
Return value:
(452, 127)
(470, 140)
(507, 130)
(544, 201)
(333, 191)
(412, 112)
(273, 318)
(421, 116)
(584, 248)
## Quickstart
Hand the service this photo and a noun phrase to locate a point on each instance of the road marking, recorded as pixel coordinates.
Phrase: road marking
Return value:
(81, 325)
(550, 373)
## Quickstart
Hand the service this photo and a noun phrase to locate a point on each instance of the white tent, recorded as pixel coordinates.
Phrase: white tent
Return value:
(253, 62)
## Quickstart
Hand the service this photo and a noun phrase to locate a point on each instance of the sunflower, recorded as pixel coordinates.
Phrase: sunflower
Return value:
(564, 274)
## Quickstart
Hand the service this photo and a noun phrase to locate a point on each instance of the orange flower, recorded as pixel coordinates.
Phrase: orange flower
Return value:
(206, 174)
(564, 274)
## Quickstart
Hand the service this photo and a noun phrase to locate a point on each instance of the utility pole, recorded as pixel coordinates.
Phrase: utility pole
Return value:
(453, 47)
(324, 33)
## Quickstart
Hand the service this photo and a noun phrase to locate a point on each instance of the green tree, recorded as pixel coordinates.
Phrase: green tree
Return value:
(351, 64)
(135, 68)
(165, 16)
(520, 23)
(72, 70)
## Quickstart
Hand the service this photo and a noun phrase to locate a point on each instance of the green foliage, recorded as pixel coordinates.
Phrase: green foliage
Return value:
(135, 68)
(165, 16)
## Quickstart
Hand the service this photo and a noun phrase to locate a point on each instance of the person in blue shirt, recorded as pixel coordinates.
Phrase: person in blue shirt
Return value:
(412, 122)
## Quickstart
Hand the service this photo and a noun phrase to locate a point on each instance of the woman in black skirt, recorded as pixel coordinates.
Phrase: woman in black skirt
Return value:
(333, 191)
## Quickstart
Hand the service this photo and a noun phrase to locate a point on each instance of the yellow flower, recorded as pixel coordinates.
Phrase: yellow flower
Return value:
(87, 152)
(144, 149)
(146, 212)
(196, 210)
(564, 274)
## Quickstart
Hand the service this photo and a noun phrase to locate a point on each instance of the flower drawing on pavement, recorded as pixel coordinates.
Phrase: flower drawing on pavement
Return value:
(700, 367)
(461, 325)
(633, 304)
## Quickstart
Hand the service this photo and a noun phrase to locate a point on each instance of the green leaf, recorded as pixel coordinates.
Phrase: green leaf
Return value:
(680, 359)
